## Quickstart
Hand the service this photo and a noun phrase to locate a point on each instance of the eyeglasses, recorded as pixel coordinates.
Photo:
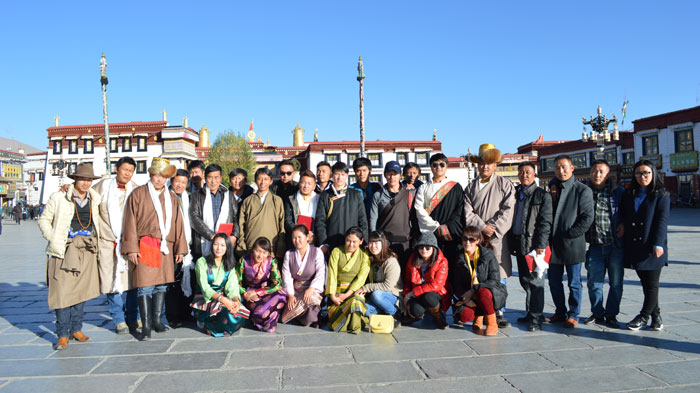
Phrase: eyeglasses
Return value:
(286, 173)
(438, 165)
(641, 174)
(469, 239)
(424, 247)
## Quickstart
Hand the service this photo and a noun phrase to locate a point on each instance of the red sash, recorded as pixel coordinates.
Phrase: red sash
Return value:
(438, 197)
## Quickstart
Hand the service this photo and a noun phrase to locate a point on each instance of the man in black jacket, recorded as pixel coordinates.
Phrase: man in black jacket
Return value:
(285, 186)
(532, 225)
(573, 215)
(339, 208)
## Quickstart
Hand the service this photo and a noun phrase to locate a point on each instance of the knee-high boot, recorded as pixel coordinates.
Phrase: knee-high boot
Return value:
(145, 305)
(158, 299)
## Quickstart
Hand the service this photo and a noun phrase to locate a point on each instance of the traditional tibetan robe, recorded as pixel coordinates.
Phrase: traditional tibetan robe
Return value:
(439, 209)
(262, 218)
(115, 275)
(347, 271)
(492, 203)
(140, 219)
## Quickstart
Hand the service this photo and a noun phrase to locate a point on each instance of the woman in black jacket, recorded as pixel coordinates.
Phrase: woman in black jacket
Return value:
(477, 283)
(644, 215)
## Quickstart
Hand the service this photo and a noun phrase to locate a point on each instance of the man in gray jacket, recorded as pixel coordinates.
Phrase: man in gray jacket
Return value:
(532, 225)
(573, 215)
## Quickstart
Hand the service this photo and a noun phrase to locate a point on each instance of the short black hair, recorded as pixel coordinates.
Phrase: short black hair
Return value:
(263, 171)
(195, 164)
(600, 161)
(307, 173)
(213, 168)
(285, 162)
(410, 165)
(564, 157)
(360, 162)
(527, 163)
(339, 166)
(438, 157)
(125, 160)
(182, 172)
(238, 171)
(323, 163)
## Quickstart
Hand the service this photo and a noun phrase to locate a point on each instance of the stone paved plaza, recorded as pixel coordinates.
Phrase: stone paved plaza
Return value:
(412, 359)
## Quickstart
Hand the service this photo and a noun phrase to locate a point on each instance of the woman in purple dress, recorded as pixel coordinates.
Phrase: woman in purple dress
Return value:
(260, 286)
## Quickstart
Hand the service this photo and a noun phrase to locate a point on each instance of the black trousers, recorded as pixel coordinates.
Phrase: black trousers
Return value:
(534, 289)
(177, 305)
(418, 305)
(650, 287)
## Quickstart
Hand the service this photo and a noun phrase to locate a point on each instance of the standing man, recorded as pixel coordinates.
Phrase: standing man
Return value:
(411, 176)
(300, 207)
(240, 189)
(362, 168)
(488, 205)
(390, 212)
(532, 226)
(179, 295)
(196, 170)
(285, 186)
(115, 277)
(605, 250)
(68, 223)
(153, 239)
(210, 208)
(339, 208)
(323, 177)
(17, 212)
(439, 208)
(573, 215)
(262, 215)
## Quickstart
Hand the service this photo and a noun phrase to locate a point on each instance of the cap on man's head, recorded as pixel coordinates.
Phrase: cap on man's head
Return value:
(392, 166)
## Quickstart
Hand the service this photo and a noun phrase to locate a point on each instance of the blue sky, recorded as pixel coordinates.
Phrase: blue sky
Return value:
(498, 72)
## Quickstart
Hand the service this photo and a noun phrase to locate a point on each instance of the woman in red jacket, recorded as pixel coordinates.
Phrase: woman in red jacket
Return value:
(425, 278)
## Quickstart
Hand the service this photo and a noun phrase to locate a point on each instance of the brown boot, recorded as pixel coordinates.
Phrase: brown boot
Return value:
(61, 344)
(478, 324)
(439, 316)
(79, 336)
(491, 325)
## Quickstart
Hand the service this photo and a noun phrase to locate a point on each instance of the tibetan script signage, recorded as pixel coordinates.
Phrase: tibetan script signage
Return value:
(684, 160)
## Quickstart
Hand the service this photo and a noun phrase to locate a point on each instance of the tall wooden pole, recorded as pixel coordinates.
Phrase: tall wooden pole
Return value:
(360, 78)
(104, 82)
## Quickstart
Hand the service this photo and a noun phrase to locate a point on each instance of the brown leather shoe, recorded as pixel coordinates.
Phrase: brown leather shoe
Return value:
(79, 336)
(61, 344)
(491, 325)
(570, 323)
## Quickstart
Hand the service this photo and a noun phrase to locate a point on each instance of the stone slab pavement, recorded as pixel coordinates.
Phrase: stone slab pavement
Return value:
(588, 358)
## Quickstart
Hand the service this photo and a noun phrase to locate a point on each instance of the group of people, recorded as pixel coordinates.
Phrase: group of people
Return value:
(322, 251)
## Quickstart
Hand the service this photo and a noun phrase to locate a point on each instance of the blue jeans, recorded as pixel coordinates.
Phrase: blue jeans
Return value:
(573, 275)
(598, 259)
(69, 319)
(149, 291)
(123, 306)
(381, 302)
(504, 281)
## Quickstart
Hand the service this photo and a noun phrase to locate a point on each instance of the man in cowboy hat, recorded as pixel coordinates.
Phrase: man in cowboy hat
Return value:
(488, 205)
(153, 237)
(69, 224)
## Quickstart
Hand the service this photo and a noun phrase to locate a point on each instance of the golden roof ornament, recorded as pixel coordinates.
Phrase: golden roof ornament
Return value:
(316, 135)
(251, 136)
(204, 136)
(298, 139)
(165, 115)
(55, 121)
(434, 134)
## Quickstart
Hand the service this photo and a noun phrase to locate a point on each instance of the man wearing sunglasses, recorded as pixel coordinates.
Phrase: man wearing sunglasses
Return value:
(439, 208)
(285, 186)
(488, 205)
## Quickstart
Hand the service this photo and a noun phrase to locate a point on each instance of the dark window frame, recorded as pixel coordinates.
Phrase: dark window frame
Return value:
(72, 146)
(91, 144)
(380, 159)
(427, 158)
(57, 147)
(327, 158)
(141, 166)
(138, 143)
(679, 144)
(646, 150)
(399, 156)
(125, 142)
(114, 145)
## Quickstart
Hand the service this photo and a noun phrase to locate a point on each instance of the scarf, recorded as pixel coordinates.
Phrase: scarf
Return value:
(351, 258)
(208, 217)
(472, 268)
(110, 193)
(163, 222)
(187, 264)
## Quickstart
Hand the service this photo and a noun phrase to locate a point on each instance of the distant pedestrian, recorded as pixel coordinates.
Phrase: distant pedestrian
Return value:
(17, 211)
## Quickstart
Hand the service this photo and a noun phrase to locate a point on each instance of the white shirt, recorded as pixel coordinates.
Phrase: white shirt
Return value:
(423, 196)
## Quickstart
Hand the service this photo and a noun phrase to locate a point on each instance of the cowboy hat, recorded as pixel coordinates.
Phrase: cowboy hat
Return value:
(84, 171)
(488, 154)
(161, 166)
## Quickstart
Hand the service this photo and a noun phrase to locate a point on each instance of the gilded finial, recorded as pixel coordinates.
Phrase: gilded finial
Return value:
(316, 135)
(55, 121)
(435, 134)
(165, 115)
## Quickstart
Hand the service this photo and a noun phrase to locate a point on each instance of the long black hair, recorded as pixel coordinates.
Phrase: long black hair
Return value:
(385, 253)
(228, 259)
(656, 185)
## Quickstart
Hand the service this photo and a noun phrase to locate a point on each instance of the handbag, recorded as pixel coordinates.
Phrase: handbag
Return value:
(381, 323)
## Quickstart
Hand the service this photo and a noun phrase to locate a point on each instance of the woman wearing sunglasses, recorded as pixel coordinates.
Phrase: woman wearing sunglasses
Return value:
(424, 282)
(477, 281)
(644, 217)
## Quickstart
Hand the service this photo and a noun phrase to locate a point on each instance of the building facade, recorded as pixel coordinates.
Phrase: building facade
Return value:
(11, 169)
(34, 171)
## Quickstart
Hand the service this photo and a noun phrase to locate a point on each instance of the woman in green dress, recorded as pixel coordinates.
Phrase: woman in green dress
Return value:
(218, 305)
(348, 268)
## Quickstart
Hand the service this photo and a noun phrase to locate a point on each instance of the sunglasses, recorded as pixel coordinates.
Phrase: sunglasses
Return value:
(286, 173)
(438, 165)
(424, 247)
(469, 239)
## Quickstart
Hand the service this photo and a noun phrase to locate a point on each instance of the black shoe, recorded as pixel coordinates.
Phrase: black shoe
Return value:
(611, 322)
(157, 311)
(526, 319)
(145, 305)
(534, 327)
(593, 318)
(638, 322)
(657, 323)
(502, 321)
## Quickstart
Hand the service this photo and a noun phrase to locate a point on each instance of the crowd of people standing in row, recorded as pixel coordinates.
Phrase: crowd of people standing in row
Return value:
(322, 252)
